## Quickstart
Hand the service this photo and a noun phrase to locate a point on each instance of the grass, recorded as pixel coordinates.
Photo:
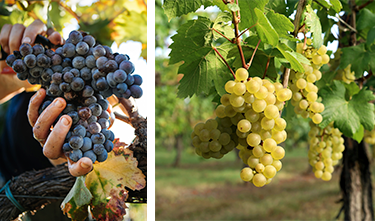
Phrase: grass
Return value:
(212, 190)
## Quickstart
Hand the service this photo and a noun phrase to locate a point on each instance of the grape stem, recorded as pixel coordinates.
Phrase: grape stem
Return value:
(226, 63)
(231, 41)
(252, 56)
(265, 71)
(244, 31)
(238, 40)
(286, 77)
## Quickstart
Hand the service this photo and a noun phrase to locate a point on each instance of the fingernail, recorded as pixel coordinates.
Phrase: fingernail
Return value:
(58, 103)
(26, 40)
(84, 165)
(65, 121)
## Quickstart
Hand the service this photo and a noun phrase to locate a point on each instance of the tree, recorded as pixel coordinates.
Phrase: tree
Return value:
(254, 55)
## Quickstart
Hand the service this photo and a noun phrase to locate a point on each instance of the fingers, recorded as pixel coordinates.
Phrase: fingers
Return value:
(43, 124)
(81, 167)
(4, 37)
(34, 104)
(56, 38)
(15, 37)
(52, 148)
(37, 27)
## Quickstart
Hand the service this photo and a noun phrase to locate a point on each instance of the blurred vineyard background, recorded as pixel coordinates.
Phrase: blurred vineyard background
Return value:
(120, 24)
(189, 187)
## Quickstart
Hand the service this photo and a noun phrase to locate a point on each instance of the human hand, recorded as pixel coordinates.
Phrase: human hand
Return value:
(11, 37)
(53, 140)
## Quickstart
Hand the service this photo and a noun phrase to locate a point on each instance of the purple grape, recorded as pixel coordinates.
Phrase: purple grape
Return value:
(89, 40)
(111, 82)
(108, 145)
(100, 62)
(69, 50)
(75, 72)
(96, 109)
(25, 49)
(33, 80)
(42, 60)
(98, 149)
(75, 155)
(119, 58)
(87, 144)
(87, 91)
(127, 66)
(70, 95)
(36, 72)
(103, 103)
(102, 157)
(137, 79)
(109, 135)
(59, 51)
(56, 59)
(57, 78)
(94, 128)
(119, 76)
(38, 49)
(54, 89)
(98, 51)
(23, 76)
(90, 61)
(75, 37)
(68, 77)
(74, 116)
(77, 84)
(127, 94)
(105, 115)
(98, 138)
(67, 62)
(69, 107)
(130, 80)
(65, 87)
(90, 154)
(66, 69)
(79, 62)
(122, 87)
(10, 59)
(92, 119)
(79, 130)
(104, 123)
(101, 84)
(19, 66)
(66, 147)
(82, 48)
(57, 68)
(86, 74)
(84, 113)
(49, 53)
(110, 66)
(30, 60)
(136, 91)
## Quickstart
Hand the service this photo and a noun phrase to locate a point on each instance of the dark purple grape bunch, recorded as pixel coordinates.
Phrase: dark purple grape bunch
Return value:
(84, 74)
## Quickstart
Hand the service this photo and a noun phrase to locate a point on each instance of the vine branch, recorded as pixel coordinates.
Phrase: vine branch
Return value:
(364, 5)
(226, 63)
(252, 56)
(222, 35)
(238, 40)
(243, 32)
(265, 71)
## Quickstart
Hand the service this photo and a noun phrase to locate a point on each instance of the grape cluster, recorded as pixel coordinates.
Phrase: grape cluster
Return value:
(326, 147)
(249, 118)
(84, 73)
(346, 75)
(369, 136)
(305, 92)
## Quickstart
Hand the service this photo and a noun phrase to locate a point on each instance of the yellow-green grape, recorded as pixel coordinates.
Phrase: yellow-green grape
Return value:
(322, 50)
(214, 146)
(319, 165)
(224, 139)
(241, 74)
(318, 74)
(284, 94)
(229, 86)
(267, 124)
(277, 164)
(310, 87)
(259, 105)
(318, 174)
(253, 86)
(211, 124)
(252, 161)
(215, 134)
(225, 99)
(278, 153)
(325, 59)
(303, 104)
(259, 180)
(279, 136)
(317, 59)
(239, 88)
(259, 167)
(252, 116)
(308, 68)
(269, 171)
(311, 78)
(253, 139)
(266, 159)
(198, 127)
(258, 151)
(204, 135)
(265, 134)
(204, 147)
(269, 144)
(249, 98)
(236, 100)
(229, 111)
(278, 86)
(270, 87)
(244, 125)
(261, 93)
(280, 124)
(220, 111)
(327, 176)
(271, 112)
(297, 96)
(270, 99)
(301, 83)
(317, 118)
(246, 174)
(312, 96)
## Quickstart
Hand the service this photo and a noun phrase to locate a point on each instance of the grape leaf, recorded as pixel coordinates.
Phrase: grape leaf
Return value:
(370, 37)
(291, 57)
(221, 25)
(313, 23)
(348, 115)
(265, 30)
(233, 7)
(192, 45)
(278, 6)
(281, 24)
(248, 17)
(361, 59)
(358, 136)
(365, 19)
(76, 202)
(176, 8)
(336, 5)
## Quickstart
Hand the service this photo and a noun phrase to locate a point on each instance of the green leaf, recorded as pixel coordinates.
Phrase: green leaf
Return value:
(192, 45)
(281, 24)
(233, 7)
(291, 57)
(358, 136)
(361, 59)
(221, 25)
(248, 17)
(351, 89)
(336, 5)
(370, 37)
(348, 115)
(278, 6)
(324, 3)
(365, 19)
(265, 30)
(313, 23)
(176, 8)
